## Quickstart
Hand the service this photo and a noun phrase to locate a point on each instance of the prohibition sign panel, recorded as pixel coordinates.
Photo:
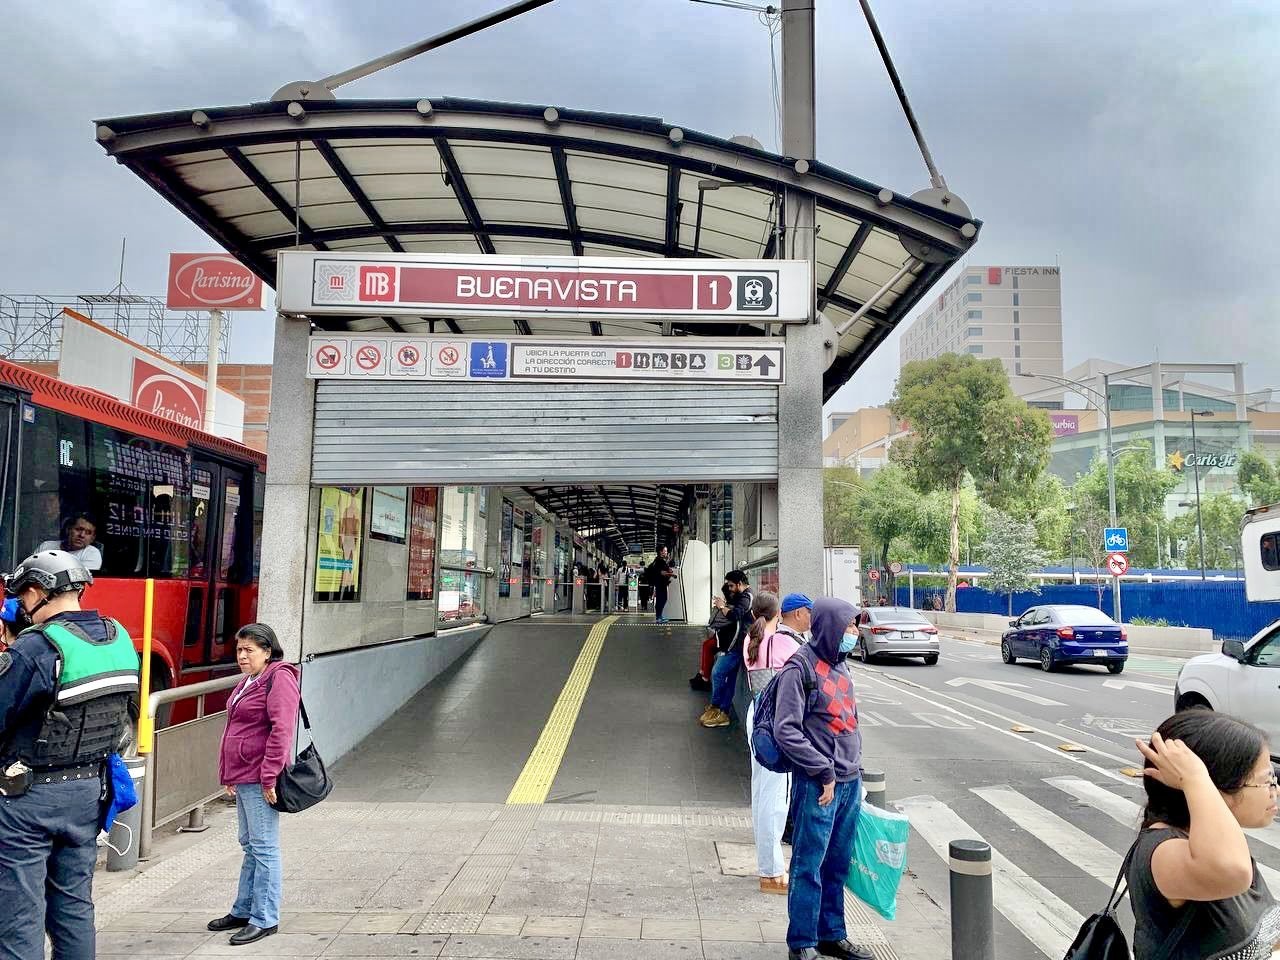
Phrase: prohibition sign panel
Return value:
(1118, 564)
(328, 357)
(368, 358)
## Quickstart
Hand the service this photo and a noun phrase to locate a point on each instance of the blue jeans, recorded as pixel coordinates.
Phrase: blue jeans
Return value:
(769, 792)
(261, 873)
(48, 845)
(660, 601)
(724, 679)
(821, 854)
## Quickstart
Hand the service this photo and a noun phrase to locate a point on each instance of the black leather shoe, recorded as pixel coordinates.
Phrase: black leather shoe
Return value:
(804, 953)
(252, 934)
(697, 683)
(229, 922)
(844, 949)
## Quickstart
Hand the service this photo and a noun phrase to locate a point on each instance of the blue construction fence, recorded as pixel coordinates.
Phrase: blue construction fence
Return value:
(1218, 605)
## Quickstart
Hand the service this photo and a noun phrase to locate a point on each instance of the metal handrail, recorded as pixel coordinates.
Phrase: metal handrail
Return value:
(458, 568)
(158, 699)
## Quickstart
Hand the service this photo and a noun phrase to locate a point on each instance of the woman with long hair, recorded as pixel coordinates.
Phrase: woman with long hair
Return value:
(1195, 889)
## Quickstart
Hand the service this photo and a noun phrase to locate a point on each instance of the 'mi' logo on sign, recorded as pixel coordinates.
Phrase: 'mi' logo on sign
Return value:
(1116, 539)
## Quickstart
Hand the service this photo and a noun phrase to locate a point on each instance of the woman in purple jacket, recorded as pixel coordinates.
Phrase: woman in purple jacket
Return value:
(262, 720)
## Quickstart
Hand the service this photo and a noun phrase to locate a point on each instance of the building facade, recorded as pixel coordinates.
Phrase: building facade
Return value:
(1012, 314)
(860, 439)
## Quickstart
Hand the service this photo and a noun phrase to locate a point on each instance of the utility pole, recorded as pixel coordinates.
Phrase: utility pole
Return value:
(1111, 487)
(800, 441)
(211, 369)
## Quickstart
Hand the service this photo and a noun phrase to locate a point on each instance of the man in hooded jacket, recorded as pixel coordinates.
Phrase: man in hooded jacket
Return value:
(816, 727)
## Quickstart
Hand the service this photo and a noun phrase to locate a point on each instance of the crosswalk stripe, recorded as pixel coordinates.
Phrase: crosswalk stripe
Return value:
(1092, 856)
(1043, 918)
(1130, 814)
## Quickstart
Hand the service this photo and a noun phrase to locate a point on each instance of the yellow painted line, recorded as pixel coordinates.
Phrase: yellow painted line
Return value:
(543, 764)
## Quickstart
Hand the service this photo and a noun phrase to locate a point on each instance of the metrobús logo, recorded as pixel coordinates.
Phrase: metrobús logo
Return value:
(161, 393)
(211, 281)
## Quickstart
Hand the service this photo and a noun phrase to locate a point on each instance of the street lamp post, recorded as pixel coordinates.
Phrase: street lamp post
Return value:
(1195, 471)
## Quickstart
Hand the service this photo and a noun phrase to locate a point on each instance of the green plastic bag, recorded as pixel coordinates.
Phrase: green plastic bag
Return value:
(879, 858)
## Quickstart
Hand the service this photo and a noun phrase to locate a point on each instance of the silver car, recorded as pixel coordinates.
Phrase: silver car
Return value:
(896, 632)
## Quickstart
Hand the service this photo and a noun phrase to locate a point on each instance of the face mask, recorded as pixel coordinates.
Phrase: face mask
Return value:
(848, 642)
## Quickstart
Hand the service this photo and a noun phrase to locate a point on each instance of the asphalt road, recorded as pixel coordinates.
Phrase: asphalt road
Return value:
(974, 748)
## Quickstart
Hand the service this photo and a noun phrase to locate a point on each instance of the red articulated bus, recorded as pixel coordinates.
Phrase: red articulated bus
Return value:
(151, 498)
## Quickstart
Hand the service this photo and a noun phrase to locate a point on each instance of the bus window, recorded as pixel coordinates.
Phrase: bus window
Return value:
(201, 507)
(231, 549)
(54, 481)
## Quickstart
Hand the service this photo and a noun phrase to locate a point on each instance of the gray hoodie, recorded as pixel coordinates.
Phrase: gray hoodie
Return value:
(819, 733)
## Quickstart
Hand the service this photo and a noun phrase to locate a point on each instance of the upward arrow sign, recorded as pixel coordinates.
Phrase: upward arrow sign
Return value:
(764, 364)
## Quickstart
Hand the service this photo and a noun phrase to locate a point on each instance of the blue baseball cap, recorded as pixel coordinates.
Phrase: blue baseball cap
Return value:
(794, 601)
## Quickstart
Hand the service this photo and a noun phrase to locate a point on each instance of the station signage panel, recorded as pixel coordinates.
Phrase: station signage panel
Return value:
(586, 360)
(778, 291)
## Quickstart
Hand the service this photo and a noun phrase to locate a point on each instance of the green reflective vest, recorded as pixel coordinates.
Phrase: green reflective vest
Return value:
(88, 670)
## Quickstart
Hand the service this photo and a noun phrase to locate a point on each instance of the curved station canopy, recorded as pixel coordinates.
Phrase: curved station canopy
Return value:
(455, 176)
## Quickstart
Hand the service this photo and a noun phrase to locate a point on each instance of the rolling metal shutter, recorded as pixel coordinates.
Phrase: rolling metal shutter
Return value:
(393, 433)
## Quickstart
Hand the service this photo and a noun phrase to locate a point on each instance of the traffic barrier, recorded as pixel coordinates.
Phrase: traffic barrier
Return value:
(873, 783)
(972, 910)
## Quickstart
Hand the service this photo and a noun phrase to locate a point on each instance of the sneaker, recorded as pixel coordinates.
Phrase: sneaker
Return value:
(697, 682)
(774, 885)
(706, 713)
(844, 949)
(715, 718)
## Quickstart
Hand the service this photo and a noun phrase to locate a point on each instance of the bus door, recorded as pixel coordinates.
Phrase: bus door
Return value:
(222, 595)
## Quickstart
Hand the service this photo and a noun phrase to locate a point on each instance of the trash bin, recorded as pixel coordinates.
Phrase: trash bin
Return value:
(122, 842)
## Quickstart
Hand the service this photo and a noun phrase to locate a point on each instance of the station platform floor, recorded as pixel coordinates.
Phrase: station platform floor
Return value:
(550, 797)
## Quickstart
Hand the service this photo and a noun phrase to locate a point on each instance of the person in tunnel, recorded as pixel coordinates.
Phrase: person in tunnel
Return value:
(659, 575)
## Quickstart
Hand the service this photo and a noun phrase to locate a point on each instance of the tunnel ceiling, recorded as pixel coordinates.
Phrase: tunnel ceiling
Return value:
(625, 514)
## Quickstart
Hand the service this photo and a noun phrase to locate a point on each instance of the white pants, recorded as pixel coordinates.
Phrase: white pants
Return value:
(770, 797)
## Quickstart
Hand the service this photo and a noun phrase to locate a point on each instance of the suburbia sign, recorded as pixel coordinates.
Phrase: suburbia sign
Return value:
(211, 281)
(777, 290)
(161, 393)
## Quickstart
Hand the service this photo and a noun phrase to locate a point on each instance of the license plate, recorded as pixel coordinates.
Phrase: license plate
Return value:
(907, 635)
(1100, 653)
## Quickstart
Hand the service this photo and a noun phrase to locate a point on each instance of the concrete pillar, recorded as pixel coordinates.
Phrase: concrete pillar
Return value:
(284, 584)
(1157, 391)
(1242, 405)
(800, 397)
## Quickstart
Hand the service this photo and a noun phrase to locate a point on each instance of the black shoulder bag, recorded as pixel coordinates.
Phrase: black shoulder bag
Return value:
(1100, 937)
(305, 782)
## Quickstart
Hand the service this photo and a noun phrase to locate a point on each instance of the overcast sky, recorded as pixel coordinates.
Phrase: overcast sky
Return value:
(1134, 143)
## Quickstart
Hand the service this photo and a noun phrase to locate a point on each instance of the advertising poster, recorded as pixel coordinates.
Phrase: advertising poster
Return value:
(504, 549)
(390, 505)
(422, 543)
(526, 567)
(340, 541)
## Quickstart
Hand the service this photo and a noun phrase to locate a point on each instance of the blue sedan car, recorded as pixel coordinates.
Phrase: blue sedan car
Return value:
(1059, 634)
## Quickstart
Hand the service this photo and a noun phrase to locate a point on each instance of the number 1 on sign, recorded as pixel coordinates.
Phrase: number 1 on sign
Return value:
(714, 292)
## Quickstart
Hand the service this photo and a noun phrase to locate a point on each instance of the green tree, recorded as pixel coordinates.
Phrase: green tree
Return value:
(966, 421)
(1259, 479)
(841, 488)
(1221, 513)
(887, 508)
(1044, 504)
(1141, 491)
(931, 528)
(1011, 552)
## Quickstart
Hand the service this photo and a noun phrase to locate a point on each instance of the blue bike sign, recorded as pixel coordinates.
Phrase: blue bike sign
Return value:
(1115, 539)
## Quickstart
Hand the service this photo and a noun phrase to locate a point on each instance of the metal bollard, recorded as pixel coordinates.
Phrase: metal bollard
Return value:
(972, 916)
(195, 821)
(873, 783)
(126, 832)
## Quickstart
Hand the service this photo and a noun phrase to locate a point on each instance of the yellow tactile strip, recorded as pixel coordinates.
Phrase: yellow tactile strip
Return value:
(540, 769)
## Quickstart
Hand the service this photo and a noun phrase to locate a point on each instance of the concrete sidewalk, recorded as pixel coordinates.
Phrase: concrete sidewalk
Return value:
(555, 882)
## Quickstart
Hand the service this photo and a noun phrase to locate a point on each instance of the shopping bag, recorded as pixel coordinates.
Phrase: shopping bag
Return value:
(879, 858)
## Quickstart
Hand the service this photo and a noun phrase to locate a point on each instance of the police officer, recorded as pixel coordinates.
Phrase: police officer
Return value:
(65, 689)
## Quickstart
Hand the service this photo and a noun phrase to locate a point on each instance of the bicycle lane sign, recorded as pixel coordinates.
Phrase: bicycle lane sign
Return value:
(1115, 539)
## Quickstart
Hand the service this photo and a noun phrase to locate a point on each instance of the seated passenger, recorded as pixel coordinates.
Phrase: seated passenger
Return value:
(720, 635)
(78, 533)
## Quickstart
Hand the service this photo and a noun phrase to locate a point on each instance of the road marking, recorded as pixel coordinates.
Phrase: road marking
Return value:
(1092, 856)
(534, 783)
(1005, 687)
(1045, 920)
(871, 676)
(1130, 814)
(1150, 687)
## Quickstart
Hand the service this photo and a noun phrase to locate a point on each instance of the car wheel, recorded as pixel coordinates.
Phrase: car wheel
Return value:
(1190, 701)
(1046, 660)
(1006, 652)
(862, 652)
(1115, 667)
(931, 659)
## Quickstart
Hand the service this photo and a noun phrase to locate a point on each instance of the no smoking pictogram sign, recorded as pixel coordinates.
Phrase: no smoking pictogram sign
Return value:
(328, 356)
(449, 356)
(408, 355)
(368, 357)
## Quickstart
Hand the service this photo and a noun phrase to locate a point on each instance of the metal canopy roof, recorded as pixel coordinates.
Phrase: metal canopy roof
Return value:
(623, 514)
(462, 176)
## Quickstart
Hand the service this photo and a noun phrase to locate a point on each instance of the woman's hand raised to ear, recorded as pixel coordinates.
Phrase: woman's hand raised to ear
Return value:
(1175, 764)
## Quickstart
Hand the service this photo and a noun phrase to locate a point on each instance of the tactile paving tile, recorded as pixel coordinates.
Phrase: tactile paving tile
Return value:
(450, 923)
(472, 889)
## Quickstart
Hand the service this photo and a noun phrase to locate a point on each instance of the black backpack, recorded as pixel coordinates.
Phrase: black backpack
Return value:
(764, 746)
(1100, 937)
